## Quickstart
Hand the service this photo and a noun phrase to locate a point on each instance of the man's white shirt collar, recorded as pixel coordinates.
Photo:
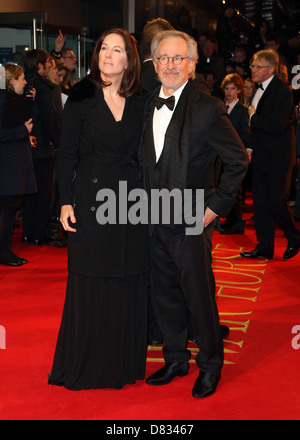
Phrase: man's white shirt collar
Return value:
(161, 120)
(231, 105)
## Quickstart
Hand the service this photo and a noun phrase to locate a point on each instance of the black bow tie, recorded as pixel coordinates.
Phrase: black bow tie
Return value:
(260, 86)
(169, 102)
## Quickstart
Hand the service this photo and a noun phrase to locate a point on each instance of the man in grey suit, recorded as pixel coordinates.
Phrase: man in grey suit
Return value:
(179, 148)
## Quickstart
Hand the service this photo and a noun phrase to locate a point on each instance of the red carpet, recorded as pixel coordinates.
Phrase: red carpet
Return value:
(258, 299)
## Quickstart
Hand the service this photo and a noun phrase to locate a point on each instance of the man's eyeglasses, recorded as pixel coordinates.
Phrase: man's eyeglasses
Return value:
(257, 66)
(71, 56)
(175, 60)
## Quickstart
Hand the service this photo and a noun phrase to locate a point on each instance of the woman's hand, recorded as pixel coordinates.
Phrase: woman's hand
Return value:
(28, 124)
(66, 213)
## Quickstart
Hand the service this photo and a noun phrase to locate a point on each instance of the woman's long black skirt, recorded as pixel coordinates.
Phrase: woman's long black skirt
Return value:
(102, 341)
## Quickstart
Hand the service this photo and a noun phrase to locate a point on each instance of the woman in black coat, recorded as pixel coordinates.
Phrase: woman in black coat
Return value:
(16, 168)
(102, 341)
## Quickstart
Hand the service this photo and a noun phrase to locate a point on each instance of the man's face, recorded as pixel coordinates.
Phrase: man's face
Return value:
(271, 44)
(70, 60)
(231, 93)
(261, 70)
(208, 49)
(239, 56)
(43, 69)
(173, 76)
(210, 81)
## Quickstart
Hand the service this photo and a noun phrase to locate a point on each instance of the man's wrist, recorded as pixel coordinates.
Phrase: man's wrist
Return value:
(56, 53)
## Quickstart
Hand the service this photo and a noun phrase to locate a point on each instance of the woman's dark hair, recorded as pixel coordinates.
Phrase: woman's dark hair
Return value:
(131, 79)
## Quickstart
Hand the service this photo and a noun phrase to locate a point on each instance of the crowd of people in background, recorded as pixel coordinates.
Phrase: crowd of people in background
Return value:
(176, 110)
(223, 71)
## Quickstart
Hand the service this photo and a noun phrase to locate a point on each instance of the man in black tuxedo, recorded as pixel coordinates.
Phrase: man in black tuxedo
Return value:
(179, 148)
(150, 82)
(272, 139)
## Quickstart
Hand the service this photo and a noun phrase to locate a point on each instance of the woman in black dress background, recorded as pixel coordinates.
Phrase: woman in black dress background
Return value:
(17, 175)
(102, 341)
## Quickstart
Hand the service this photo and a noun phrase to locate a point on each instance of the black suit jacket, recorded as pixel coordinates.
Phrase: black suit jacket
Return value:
(96, 153)
(46, 119)
(148, 76)
(239, 119)
(272, 135)
(16, 168)
(211, 134)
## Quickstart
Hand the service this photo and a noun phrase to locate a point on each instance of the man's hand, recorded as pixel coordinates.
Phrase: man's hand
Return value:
(251, 110)
(209, 216)
(59, 42)
(29, 124)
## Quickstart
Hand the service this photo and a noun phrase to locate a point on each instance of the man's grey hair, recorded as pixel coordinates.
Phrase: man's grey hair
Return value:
(192, 52)
(270, 55)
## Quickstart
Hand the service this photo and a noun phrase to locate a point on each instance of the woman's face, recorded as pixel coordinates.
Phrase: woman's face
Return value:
(52, 74)
(60, 77)
(18, 84)
(263, 28)
(112, 56)
(248, 89)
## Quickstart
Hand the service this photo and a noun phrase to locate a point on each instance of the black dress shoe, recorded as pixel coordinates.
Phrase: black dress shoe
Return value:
(167, 373)
(205, 385)
(37, 242)
(61, 243)
(26, 240)
(237, 228)
(256, 253)
(13, 261)
(291, 251)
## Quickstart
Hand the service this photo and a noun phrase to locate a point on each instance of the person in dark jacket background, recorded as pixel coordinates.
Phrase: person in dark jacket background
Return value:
(16, 168)
(232, 86)
(47, 127)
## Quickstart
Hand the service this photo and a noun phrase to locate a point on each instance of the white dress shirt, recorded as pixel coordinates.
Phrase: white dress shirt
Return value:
(259, 92)
(161, 120)
(230, 106)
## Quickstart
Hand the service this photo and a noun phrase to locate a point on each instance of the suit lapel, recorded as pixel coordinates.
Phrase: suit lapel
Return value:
(234, 112)
(269, 90)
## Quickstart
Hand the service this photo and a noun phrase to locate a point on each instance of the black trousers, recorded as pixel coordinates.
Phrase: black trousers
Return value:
(297, 199)
(36, 207)
(184, 288)
(8, 205)
(270, 208)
